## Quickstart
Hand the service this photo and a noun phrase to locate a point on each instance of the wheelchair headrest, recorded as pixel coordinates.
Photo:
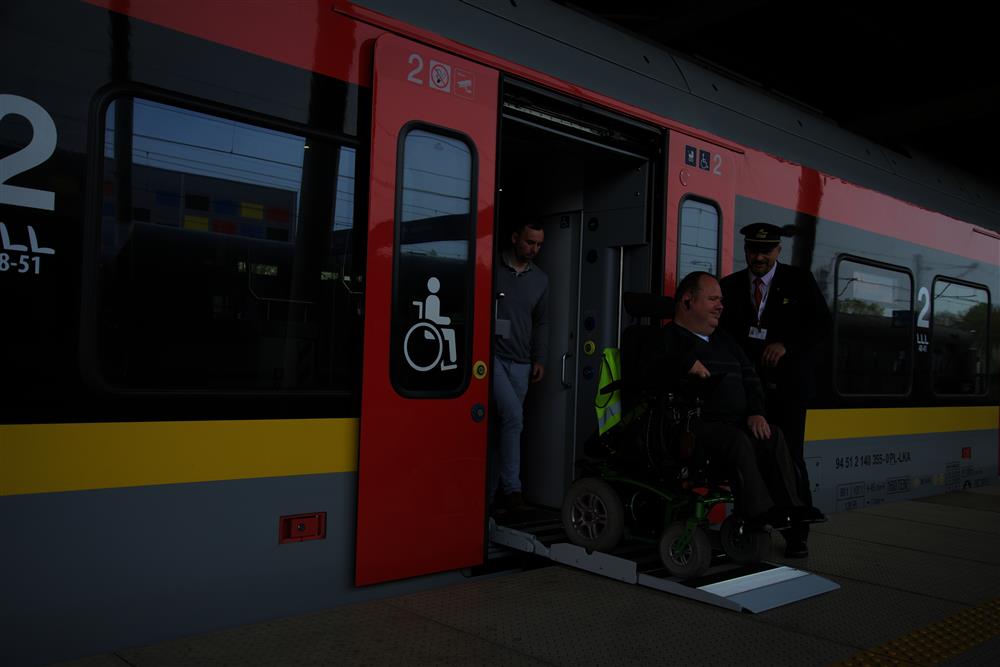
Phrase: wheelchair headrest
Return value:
(644, 304)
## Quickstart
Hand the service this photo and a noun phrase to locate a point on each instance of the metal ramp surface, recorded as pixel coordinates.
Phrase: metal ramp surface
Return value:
(753, 588)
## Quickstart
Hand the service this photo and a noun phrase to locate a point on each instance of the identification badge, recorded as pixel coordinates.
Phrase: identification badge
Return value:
(501, 328)
(758, 334)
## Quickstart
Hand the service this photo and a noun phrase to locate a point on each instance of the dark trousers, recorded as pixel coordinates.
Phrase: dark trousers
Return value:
(790, 413)
(761, 472)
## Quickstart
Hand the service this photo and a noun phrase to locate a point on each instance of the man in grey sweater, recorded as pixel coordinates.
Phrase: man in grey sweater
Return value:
(520, 349)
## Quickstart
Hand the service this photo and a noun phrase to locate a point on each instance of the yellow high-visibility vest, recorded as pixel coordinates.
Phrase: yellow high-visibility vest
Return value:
(609, 405)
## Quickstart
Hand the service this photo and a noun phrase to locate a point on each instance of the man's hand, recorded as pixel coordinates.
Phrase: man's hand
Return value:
(759, 427)
(537, 372)
(698, 370)
(772, 353)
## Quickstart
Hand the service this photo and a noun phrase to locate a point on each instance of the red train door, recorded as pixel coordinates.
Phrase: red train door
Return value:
(422, 457)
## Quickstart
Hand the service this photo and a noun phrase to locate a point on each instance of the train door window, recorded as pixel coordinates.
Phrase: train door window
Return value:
(698, 242)
(959, 337)
(225, 254)
(873, 328)
(432, 294)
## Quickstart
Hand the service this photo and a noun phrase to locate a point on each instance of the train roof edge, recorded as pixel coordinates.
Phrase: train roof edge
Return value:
(588, 53)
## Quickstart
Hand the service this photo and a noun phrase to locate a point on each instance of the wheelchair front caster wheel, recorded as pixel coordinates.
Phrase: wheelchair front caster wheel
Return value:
(685, 560)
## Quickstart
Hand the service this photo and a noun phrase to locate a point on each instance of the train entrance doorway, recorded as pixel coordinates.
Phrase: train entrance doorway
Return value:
(588, 176)
(593, 181)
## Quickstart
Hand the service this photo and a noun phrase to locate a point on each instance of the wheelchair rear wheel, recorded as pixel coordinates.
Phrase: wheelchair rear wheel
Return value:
(592, 515)
(690, 560)
(743, 543)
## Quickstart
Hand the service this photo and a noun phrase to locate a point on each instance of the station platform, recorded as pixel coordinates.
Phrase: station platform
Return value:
(919, 585)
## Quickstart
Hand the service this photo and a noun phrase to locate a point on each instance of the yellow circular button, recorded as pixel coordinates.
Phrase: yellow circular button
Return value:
(479, 370)
(589, 347)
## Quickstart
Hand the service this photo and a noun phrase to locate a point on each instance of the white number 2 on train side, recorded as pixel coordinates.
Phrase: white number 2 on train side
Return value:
(418, 67)
(924, 295)
(39, 149)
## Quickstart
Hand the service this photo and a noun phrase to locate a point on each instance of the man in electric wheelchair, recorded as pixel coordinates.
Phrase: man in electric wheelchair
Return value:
(692, 416)
(732, 426)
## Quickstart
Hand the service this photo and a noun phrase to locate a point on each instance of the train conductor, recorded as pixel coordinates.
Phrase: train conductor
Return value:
(780, 318)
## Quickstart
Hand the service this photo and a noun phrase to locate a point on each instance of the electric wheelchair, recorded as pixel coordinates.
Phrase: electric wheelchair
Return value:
(646, 477)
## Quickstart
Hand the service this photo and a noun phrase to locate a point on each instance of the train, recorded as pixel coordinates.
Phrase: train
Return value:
(224, 229)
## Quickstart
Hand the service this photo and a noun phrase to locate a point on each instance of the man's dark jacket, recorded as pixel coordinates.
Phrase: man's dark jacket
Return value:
(795, 314)
(734, 392)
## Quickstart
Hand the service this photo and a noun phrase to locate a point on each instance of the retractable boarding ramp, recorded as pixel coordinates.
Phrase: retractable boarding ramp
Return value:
(752, 588)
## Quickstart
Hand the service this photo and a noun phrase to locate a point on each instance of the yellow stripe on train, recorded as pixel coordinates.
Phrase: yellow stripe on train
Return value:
(874, 422)
(46, 458)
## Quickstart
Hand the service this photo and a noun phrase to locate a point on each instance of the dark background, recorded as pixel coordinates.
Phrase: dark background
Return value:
(918, 80)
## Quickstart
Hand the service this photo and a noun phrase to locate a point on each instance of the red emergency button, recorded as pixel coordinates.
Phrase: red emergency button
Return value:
(302, 527)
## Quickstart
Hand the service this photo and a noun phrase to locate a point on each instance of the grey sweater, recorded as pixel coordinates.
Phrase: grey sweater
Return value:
(525, 305)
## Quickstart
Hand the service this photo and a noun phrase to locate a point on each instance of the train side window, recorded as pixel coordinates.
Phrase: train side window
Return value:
(873, 329)
(224, 256)
(960, 319)
(698, 242)
(432, 293)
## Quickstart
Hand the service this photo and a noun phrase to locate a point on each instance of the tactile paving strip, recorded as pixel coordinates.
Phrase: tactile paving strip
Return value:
(938, 642)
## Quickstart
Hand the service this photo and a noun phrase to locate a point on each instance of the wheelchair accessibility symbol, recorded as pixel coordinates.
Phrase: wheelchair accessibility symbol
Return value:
(426, 349)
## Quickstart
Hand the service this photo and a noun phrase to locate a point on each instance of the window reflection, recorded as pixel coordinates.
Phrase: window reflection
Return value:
(225, 253)
(699, 238)
(959, 338)
(874, 325)
(437, 187)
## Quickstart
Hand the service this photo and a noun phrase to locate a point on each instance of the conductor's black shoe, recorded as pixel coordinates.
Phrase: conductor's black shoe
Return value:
(807, 515)
(795, 548)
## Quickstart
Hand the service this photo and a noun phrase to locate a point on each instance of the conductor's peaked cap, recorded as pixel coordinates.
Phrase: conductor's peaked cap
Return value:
(764, 233)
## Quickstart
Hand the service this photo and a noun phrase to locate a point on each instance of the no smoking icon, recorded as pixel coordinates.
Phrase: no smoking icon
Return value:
(440, 76)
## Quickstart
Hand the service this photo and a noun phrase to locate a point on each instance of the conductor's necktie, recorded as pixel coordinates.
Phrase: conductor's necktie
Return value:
(758, 296)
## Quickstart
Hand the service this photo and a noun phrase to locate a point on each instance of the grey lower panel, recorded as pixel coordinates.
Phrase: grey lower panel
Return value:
(857, 473)
(92, 571)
